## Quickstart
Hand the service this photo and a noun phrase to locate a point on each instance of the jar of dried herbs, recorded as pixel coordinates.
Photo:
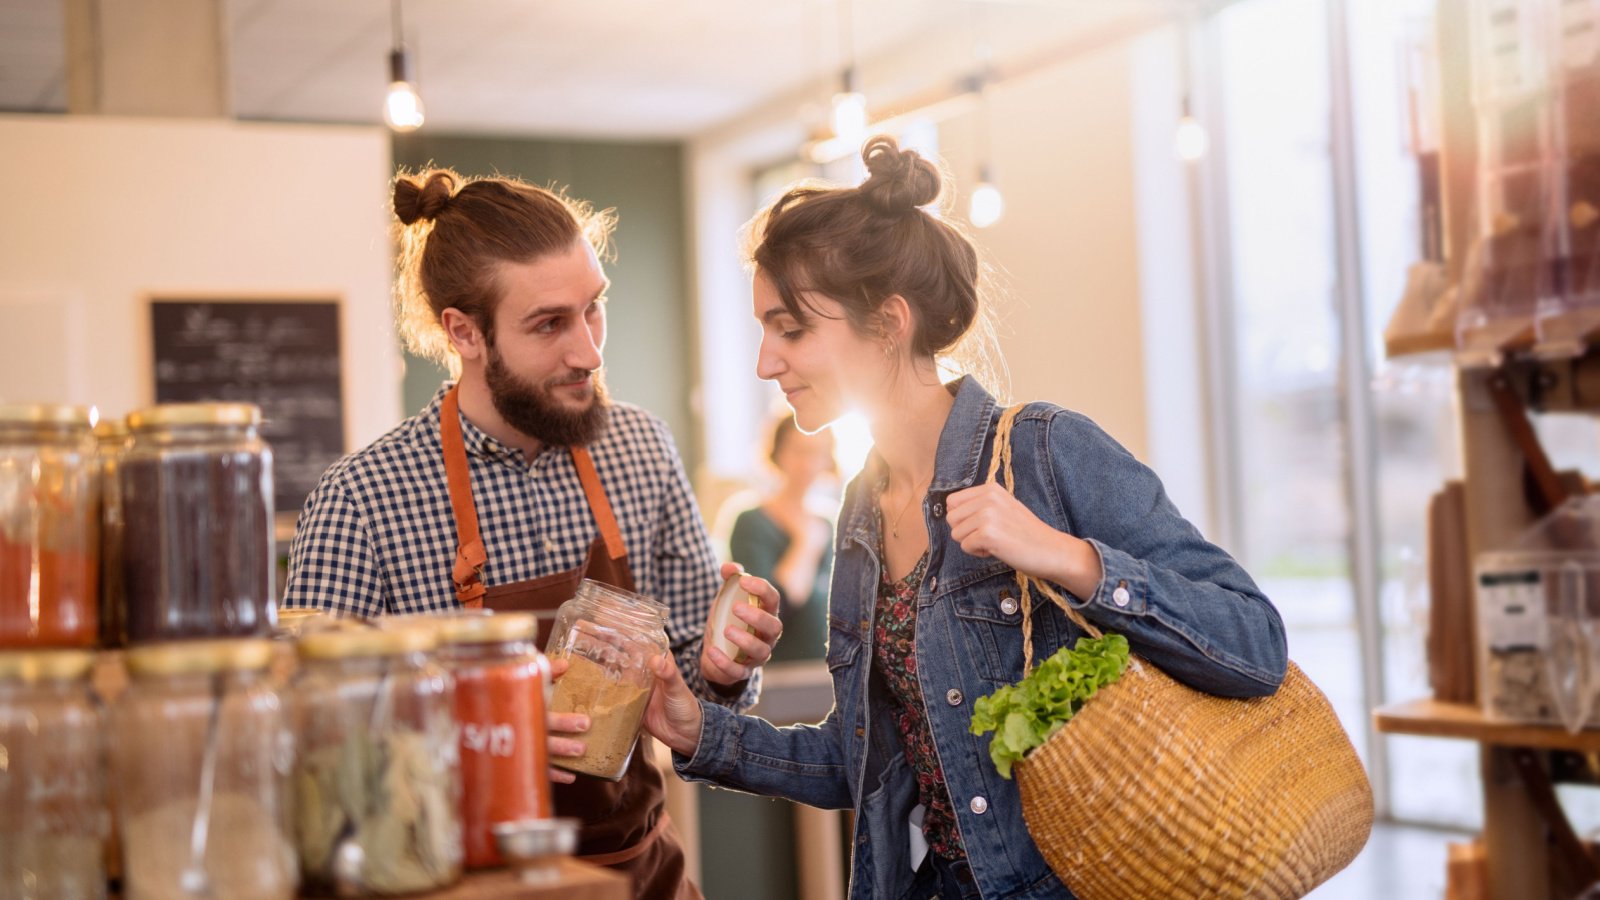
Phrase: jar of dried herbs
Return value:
(49, 528)
(501, 681)
(203, 753)
(378, 782)
(608, 637)
(111, 437)
(53, 812)
(196, 484)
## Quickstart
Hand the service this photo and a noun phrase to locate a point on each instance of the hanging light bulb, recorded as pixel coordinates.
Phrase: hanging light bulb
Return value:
(849, 115)
(1191, 141)
(402, 108)
(987, 204)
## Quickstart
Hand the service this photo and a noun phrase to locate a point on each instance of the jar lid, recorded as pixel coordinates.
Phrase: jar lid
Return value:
(111, 429)
(189, 657)
(341, 643)
(51, 414)
(500, 627)
(41, 665)
(722, 616)
(168, 414)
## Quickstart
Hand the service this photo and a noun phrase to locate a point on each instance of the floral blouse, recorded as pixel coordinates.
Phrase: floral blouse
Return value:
(894, 642)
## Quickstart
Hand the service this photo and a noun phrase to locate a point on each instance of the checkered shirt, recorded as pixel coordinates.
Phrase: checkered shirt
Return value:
(378, 535)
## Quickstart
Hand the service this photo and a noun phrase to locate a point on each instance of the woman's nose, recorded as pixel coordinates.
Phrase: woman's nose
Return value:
(768, 366)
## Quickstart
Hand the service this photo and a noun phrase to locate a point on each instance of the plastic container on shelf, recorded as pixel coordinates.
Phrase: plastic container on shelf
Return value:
(378, 782)
(608, 637)
(1572, 319)
(49, 528)
(203, 753)
(196, 485)
(1539, 621)
(53, 812)
(502, 683)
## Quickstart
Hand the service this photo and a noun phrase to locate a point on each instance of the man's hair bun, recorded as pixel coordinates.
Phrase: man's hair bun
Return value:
(424, 196)
(898, 181)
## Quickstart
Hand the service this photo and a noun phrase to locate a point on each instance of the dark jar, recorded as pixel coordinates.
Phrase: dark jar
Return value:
(196, 485)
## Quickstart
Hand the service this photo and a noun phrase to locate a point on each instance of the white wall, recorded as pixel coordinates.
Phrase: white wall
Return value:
(100, 213)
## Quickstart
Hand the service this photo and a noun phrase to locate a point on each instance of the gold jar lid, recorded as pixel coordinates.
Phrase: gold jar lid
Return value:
(43, 665)
(111, 429)
(50, 415)
(347, 642)
(192, 657)
(497, 628)
(166, 415)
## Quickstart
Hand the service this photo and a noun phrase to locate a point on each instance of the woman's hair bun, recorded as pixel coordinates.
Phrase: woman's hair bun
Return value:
(423, 196)
(898, 181)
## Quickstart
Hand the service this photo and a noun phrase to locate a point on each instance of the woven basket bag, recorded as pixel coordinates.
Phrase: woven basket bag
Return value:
(1157, 790)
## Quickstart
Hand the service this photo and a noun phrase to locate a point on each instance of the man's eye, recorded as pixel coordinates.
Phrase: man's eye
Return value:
(548, 326)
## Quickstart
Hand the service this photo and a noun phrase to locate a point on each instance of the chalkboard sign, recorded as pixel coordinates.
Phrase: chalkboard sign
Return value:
(282, 356)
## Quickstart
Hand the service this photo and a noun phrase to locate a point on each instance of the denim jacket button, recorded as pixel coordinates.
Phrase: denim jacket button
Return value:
(938, 509)
(953, 697)
(1120, 596)
(979, 805)
(933, 583)
(1008, 605)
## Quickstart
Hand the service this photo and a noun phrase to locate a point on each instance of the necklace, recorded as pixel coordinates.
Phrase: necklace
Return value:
(894, 527)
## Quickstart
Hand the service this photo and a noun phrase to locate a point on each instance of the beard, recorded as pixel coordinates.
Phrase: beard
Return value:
(535, 411)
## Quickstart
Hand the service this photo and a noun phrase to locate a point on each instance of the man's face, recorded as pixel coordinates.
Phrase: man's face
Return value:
(543, 360)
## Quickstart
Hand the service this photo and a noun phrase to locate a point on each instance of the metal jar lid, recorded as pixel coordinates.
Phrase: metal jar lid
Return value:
(168, 415)
(348, 642)
(44, 665)
(46, 415)
(192, 657)
(497, 628)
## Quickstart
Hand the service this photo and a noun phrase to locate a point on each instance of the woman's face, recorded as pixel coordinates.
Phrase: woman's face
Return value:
(824, 367)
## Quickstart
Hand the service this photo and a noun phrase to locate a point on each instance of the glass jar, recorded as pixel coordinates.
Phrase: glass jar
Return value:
(501, 684)
(111, 437)
(196, 483)
(52, 778)
(203, 753)
(49, 528)
(608, 637)
(378, 787)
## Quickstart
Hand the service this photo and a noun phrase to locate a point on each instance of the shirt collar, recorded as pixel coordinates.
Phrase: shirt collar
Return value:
(478, 442)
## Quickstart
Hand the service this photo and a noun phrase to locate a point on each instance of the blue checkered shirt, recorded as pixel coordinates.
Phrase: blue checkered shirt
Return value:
(378, 536)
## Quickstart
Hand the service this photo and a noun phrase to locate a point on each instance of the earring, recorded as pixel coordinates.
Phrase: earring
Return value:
(888, 348)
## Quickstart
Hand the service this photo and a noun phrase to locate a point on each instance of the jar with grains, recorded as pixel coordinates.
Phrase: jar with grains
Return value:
(378, 783)
(608, 636)
(53, 812)
(111, 437)
(196, 484)
(501, 684)
(49, 528)
(203, 753)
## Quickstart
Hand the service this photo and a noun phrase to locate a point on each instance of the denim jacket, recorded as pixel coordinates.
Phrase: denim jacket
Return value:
(1182, 602)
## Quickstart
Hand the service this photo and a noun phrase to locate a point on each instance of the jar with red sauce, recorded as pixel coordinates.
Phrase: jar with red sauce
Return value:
(501, 683)
(49, 527)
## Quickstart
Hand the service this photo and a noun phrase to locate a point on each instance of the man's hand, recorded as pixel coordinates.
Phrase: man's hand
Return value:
(714, 664)
(563, 729)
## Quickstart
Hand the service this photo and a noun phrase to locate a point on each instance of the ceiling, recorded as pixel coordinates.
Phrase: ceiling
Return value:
(642, 69)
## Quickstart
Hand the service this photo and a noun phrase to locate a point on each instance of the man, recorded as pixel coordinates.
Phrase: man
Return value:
(523, 478)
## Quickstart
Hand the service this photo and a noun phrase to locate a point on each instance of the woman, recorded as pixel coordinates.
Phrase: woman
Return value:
(785, 542)
(860, 292)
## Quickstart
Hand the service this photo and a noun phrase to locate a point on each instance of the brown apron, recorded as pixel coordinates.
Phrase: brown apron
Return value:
(625, 823)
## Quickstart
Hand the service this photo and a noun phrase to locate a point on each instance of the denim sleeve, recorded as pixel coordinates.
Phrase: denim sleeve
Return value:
(803, 763)
(1182, 602)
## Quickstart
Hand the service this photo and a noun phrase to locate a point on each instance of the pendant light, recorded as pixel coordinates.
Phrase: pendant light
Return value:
(1190, 142)
(402, 108)
(986, 205)
(849, 114)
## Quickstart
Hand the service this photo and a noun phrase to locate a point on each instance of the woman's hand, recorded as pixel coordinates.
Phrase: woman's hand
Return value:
(563, 729)
(987, 521)
(674, 714)
(714, 664)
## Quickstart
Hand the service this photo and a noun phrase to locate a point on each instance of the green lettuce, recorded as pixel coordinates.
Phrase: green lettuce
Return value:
(1024, 715)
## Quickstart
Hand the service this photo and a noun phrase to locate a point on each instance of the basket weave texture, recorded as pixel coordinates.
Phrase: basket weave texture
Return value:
(1157, 790)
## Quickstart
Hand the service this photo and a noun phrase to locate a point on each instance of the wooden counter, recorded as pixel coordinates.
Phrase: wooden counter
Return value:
(1430, 718)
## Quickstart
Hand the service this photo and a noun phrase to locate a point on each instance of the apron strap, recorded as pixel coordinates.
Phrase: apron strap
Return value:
(598, 504)
(628, 854)
(470, 554)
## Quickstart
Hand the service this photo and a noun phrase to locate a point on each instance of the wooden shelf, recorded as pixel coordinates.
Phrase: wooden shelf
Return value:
(1430, 718)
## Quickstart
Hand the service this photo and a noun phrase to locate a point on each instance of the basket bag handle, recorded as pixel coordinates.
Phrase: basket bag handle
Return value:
(1000, 463)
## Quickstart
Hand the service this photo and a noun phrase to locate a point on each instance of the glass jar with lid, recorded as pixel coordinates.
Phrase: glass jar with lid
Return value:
(378, 783)
(501, 683)
(608, 637)
(49, 527)
(53, 810)
(196, 485)
(111, 436)
(203, 753)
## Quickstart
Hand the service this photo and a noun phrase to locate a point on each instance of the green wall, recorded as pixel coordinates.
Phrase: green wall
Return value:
(649, 322)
